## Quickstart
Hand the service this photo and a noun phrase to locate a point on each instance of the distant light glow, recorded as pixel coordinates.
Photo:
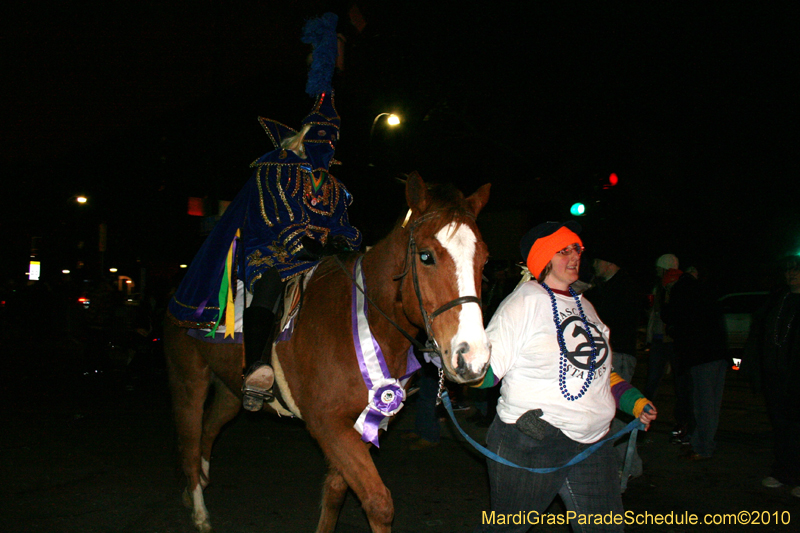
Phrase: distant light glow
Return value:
(65, 271)
(577, 209)
(184, 266)
(613, 179)
(112, 269)
(81, 199)
(34, 270)
(196, 207)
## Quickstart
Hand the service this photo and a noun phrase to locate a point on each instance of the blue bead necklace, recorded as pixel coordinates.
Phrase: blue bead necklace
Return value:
(562, 362)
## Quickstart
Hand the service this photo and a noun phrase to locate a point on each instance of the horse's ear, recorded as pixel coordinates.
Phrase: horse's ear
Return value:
(478, 199)
(417, 192)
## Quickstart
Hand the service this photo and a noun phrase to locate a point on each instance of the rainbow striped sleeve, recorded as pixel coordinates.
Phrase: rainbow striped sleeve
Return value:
(489, 380)
(628, 397)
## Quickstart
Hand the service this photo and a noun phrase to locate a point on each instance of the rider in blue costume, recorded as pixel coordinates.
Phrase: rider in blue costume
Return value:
(288, 215)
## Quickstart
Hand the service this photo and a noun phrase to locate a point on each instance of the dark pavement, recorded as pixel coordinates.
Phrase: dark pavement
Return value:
(91, 452)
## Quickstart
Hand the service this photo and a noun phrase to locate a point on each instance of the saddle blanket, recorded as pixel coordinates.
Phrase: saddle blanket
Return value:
(291, 301)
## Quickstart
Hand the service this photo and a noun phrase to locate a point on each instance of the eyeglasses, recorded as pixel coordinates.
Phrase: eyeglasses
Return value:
(577, 248)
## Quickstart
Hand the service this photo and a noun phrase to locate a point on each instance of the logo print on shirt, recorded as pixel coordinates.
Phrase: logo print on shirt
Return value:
(579, 345)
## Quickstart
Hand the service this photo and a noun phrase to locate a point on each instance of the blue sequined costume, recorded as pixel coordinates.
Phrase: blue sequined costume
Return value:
(290, 196)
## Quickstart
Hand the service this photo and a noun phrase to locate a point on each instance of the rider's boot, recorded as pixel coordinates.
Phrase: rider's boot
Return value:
(259, 328)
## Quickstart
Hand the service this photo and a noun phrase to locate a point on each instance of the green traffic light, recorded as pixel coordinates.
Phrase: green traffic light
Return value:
(577, 209)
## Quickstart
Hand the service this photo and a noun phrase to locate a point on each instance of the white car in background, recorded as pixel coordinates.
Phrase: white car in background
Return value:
(737, 312)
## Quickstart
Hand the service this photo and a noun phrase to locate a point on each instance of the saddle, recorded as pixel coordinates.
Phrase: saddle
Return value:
(292, 302)
(283, 403)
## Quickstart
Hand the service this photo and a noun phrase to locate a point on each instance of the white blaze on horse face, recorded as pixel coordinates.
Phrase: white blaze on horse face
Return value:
(459, 240)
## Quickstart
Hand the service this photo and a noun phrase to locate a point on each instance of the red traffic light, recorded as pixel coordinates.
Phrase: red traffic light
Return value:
(610, 181)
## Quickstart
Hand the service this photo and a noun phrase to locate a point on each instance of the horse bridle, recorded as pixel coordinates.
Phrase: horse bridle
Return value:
(430, 345)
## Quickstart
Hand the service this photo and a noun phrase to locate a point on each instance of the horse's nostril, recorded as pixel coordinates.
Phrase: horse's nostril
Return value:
(462, 349)
(461, 363)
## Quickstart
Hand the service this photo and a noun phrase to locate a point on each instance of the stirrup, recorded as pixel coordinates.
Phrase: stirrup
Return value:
(260, 389)
(253, 400)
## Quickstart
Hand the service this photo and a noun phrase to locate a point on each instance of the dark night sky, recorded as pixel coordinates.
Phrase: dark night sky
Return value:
(694, 107)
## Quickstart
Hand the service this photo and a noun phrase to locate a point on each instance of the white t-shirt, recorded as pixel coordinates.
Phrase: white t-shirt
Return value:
(525, 353)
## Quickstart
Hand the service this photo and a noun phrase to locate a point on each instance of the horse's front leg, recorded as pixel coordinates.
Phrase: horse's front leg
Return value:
(334, 492)
(349, 455)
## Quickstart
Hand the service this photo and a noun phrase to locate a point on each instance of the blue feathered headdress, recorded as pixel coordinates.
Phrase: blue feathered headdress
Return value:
(321, 34)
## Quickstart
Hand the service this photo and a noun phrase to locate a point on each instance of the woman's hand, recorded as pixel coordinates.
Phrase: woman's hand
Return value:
(649, 414)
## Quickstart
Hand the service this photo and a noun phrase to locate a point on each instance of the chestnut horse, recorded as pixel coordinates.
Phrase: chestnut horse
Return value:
(424, 276)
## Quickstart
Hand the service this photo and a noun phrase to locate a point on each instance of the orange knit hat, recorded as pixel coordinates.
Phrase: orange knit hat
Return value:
(543, 241)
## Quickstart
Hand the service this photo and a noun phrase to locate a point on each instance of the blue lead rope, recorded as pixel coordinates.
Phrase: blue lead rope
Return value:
(633, 425)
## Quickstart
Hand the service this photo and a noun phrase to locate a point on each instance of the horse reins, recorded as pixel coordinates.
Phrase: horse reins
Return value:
(430, 345)
(413, 341)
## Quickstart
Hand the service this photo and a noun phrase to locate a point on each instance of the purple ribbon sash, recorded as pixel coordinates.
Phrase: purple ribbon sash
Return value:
(385, 394)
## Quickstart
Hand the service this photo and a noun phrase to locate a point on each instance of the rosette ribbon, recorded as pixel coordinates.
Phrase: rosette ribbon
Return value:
(385, 394)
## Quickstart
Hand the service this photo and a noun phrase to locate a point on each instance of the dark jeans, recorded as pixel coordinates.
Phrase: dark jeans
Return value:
(591, 486)
(662, 353)
(785, 419)
(426, 423)
(625, 365)
(708, 381)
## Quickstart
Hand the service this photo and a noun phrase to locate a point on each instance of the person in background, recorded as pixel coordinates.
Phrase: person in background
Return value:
(772, 359)
(559, 392)
(694, 321)
(427, 431)
(619, 305)
(662, 349)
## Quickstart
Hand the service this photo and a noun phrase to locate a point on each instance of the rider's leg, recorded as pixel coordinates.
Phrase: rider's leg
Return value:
(259, 331)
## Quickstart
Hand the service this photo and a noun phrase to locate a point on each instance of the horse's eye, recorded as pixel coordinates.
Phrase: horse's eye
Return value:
(426, 258)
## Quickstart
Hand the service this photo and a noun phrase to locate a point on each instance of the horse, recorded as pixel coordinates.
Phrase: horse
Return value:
(425, 275)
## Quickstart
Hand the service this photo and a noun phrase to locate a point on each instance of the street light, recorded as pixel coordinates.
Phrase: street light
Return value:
(391, 120)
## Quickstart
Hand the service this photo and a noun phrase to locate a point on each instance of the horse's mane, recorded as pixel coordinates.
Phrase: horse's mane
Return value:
(449, 201)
